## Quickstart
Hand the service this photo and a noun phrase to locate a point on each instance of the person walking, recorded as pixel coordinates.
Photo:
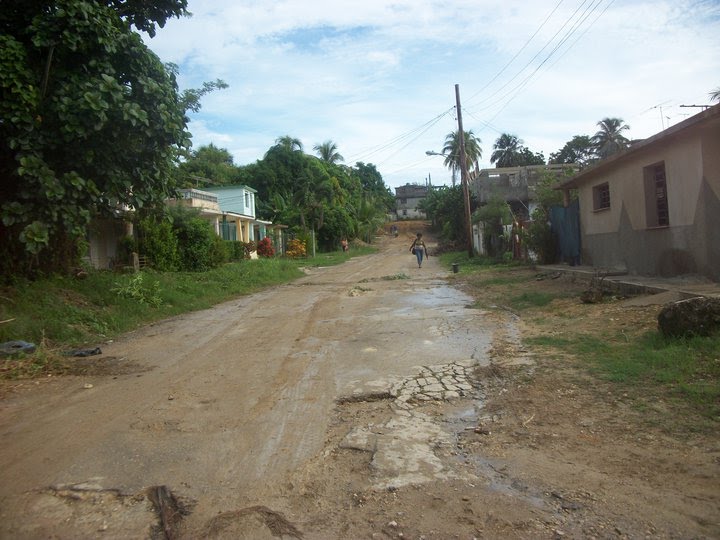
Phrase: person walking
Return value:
(419, 249)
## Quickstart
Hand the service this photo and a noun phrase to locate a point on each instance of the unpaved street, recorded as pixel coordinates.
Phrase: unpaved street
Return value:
(223, 405)
(368, 400)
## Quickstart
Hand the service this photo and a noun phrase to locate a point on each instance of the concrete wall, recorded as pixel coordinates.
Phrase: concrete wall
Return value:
(620, 236)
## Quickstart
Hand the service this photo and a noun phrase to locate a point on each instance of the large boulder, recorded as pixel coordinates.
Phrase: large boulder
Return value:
(692, 317)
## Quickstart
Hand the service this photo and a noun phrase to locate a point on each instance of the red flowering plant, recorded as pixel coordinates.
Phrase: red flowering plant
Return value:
(265, 248)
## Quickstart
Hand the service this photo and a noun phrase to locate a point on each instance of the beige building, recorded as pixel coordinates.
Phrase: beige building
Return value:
(654, 209)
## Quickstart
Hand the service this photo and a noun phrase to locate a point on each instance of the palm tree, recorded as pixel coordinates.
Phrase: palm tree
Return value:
(451, 151)
(715, 94)
(507, 151)
(290, 143)
(327, 152)
(369, 216)
(610, 140)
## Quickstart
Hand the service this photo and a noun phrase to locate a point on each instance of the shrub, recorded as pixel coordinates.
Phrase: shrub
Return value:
(134, 288)
(158, 242)
(265, 248)
(236, 250)
(296, 248)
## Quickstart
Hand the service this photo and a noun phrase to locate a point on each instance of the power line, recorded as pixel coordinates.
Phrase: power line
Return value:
(610, 3)
(517, 53)
(414, 133)
(568, 34)
(519, 72)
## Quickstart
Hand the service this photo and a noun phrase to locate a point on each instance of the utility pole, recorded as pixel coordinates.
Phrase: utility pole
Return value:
(464, 175)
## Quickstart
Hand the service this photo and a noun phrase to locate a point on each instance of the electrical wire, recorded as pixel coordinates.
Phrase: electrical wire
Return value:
(507, 64)
(515, 91)
(525, 82)
(414, 133)
(529, 63)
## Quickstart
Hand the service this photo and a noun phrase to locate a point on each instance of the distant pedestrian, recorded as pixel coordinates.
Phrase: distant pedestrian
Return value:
(419, 249)
(344, 244)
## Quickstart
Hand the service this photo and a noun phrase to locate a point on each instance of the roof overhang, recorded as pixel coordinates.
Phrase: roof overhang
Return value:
(708, 117)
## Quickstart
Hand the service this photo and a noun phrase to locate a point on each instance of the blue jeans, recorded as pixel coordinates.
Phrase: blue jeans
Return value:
(419, 254)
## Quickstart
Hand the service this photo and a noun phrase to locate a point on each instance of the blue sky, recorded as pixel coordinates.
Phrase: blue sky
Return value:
(377, 77)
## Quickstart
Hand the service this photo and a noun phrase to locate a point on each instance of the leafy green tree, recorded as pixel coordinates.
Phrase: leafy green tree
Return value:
(371, 182)
(609, 139)
(305, 192)
(539, 237)
(494, 215)
(369, 217)
(91, 121)
(577, 151)
(444, 207)
(527, 157)
(451, 150)
(328, 152)
(208, 165)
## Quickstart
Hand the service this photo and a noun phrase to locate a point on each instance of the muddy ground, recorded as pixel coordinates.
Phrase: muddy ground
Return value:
(371, 400)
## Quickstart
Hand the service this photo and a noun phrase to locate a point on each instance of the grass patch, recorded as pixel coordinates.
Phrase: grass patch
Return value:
(61, 313)
(474, 264)
(531, 299)
(652, 366)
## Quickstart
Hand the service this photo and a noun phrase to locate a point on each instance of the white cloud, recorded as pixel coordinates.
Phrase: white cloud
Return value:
(369, 75)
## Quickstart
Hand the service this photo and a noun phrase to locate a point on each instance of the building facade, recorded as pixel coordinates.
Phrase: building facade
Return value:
(407, 201)
(654, 209)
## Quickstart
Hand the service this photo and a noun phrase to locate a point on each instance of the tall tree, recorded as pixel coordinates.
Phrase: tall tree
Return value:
(578, 151)
(328, 152)
(715, 94)
(451, 150)
(609, 139)
(509, 151)
(289, 143)
(91, 121)
(208, 165)
(506, 150)
(372, 182)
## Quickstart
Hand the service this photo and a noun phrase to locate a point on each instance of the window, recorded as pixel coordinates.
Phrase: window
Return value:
(601, 197)
(247, 200)
(656, 202)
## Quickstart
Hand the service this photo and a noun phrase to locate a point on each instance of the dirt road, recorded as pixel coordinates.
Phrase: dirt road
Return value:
(367, 400)
(226, 404)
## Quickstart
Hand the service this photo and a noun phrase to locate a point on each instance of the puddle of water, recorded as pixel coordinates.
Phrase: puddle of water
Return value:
(498, 479)
(503, 483)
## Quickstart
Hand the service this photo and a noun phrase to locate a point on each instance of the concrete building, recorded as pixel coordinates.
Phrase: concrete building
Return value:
(654, 209)
(407, 199)
(514, 185)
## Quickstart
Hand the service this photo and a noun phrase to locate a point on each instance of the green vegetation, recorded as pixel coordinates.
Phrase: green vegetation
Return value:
(62, 313)
(531, 299)
(644, 364)
(478, 263)
(305, 192)
(660, 368)
(93, 122)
